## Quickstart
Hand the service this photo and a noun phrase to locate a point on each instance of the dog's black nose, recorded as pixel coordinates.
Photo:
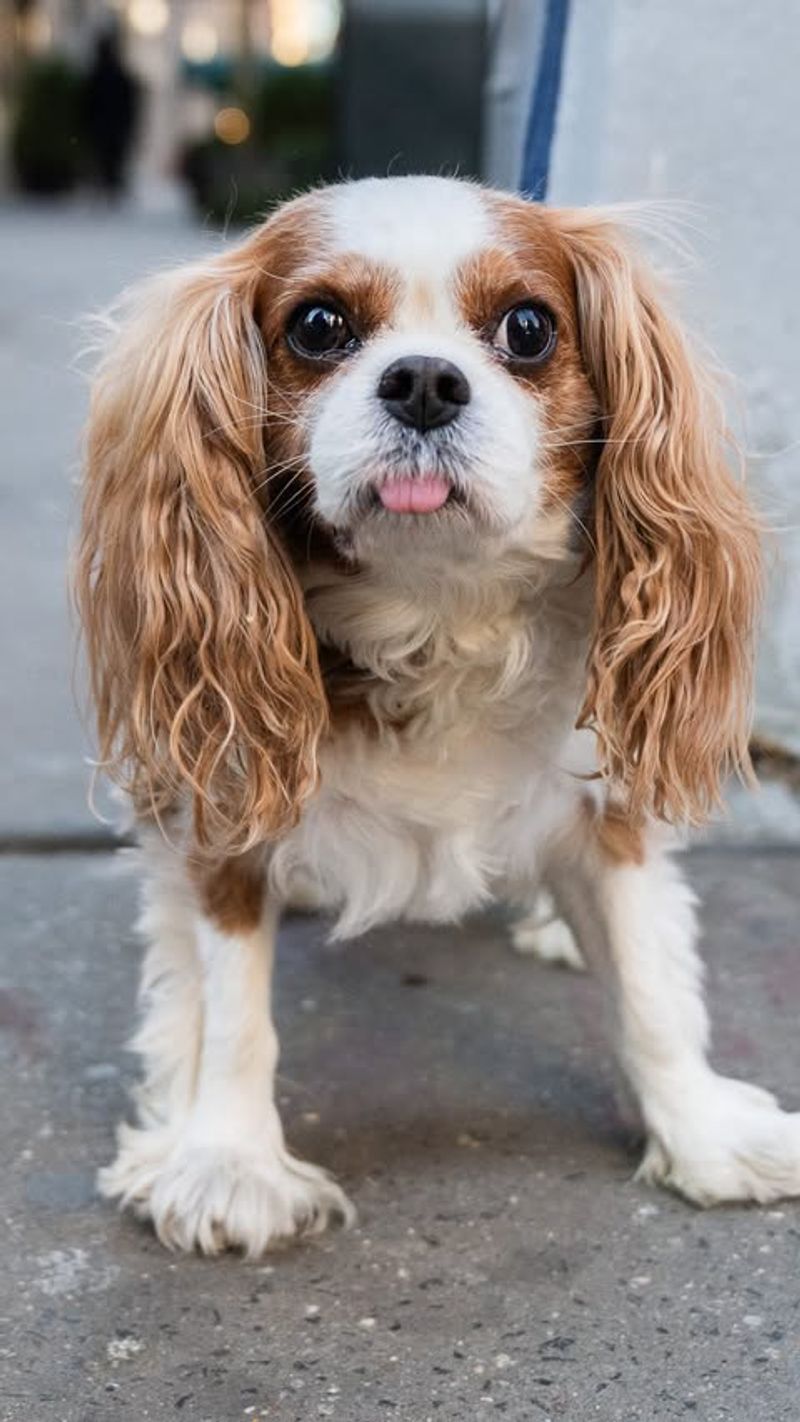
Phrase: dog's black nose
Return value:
(424, 391)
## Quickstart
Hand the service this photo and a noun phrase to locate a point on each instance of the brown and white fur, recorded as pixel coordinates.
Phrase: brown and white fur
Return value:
(310, 694)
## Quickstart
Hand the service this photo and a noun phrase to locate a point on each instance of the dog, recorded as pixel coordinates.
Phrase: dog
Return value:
(413, 577)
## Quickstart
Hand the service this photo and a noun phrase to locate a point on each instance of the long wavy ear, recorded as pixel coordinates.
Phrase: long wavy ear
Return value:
(203, 664)
(676, 547)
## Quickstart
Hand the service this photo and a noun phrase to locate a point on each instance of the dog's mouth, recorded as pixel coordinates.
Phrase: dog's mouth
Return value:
(424, 494)
(418, 495)
(408, 508)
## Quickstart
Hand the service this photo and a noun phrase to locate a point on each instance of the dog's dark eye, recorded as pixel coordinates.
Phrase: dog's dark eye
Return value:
(527, 332)
(317, 330)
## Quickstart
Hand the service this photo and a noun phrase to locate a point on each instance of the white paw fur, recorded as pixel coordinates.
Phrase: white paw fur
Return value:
(543, 935)
(735, 1143)
(214, 1197)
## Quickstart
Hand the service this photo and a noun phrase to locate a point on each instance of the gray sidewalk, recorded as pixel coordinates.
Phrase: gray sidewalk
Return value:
(504, 1260)
(57, 265)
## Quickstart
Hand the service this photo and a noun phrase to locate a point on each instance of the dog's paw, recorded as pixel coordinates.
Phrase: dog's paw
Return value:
(732, 1142)
(141, 1153)
(216, 1197)
(548, 939)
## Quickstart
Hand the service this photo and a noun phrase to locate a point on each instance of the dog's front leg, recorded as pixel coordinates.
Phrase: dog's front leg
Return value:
(220, 1174)
(710, 1137)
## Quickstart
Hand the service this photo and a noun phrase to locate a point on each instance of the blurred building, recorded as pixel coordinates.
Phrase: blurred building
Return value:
(412, 82)
(164, 41)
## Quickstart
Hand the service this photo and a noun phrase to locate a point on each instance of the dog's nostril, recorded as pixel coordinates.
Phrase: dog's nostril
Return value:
(396, 383)
(424, 391)
(452, 387)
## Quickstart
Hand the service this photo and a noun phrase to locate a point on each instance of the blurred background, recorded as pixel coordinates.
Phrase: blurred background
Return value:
(135, 133)
(234, 103)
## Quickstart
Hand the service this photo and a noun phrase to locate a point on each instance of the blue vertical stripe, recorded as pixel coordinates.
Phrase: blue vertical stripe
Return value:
(544, 102)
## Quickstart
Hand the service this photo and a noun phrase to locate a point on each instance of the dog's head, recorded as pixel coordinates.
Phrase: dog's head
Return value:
(426, 372)
(428, 391)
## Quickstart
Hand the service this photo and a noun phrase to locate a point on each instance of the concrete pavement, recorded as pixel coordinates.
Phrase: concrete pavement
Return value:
(504, 1260)
(57, 265)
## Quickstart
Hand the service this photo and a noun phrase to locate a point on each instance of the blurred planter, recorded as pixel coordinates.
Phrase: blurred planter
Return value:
(46, 146)
(295, 101)
(238, 183)
(290, 146)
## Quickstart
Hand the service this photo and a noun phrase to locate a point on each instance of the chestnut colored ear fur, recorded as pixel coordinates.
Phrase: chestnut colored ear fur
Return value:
(203, 663)
(677, 563)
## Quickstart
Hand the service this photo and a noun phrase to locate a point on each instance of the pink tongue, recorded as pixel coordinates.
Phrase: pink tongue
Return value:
(414, 495)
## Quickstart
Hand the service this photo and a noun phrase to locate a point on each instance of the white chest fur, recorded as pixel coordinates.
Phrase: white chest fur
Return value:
(433, 819)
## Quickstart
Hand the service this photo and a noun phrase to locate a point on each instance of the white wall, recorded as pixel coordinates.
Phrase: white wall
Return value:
(675, 99)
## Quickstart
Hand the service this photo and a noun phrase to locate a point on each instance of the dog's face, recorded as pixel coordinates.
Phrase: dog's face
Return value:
(427, 390)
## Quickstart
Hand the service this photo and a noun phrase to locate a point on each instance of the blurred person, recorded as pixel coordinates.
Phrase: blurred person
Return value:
(112, 111)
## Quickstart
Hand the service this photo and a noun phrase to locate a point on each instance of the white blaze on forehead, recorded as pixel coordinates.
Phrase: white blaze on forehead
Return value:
(424, 227)
(421, 230)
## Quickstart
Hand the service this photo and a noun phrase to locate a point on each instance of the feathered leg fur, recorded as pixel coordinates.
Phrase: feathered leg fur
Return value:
(208, 1163)
(710, 1137)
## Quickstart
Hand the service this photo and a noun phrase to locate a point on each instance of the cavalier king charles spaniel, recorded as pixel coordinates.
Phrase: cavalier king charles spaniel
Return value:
(413, 578)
